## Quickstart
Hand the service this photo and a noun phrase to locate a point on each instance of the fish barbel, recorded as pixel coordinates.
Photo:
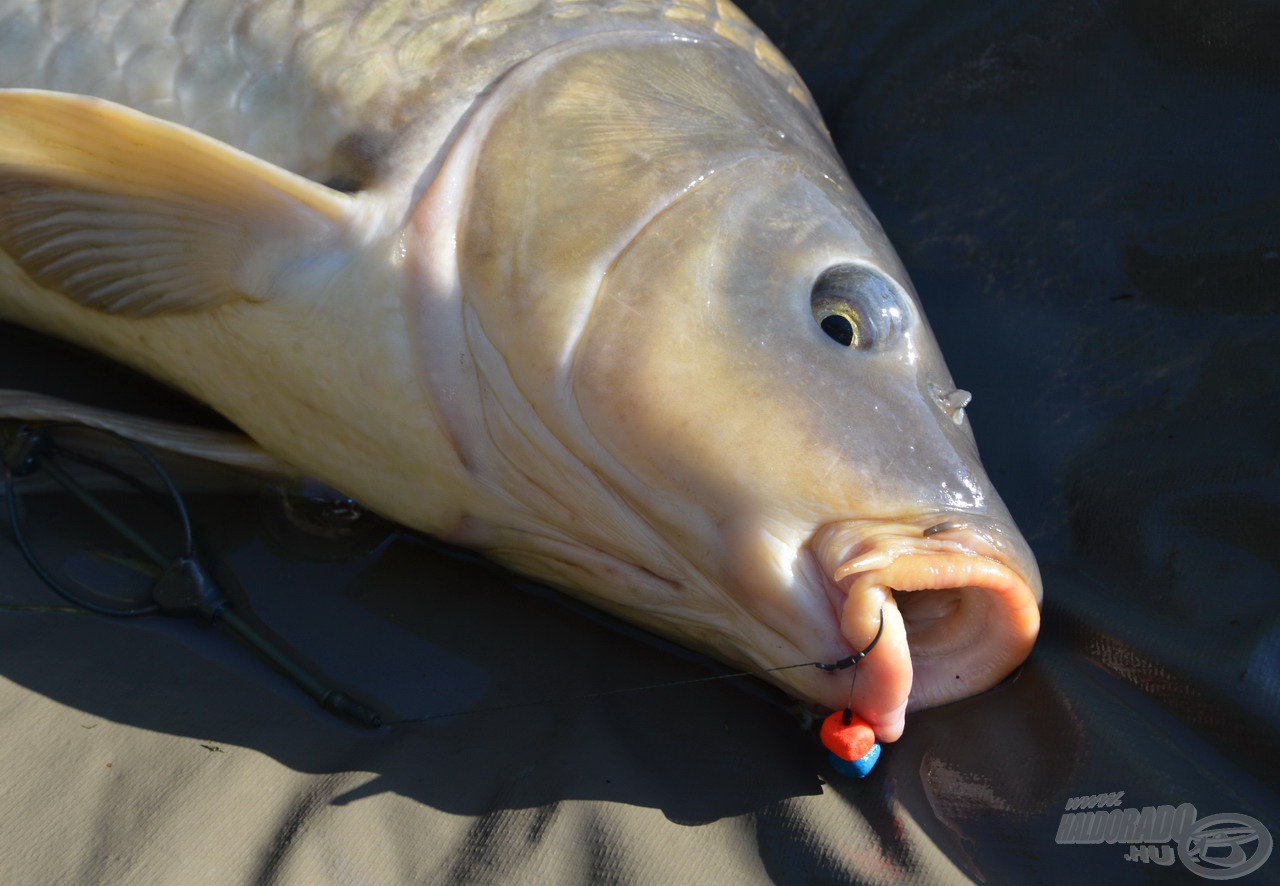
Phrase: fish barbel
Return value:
(582, 284)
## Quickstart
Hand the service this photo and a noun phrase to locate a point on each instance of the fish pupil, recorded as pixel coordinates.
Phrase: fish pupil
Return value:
(838, 328)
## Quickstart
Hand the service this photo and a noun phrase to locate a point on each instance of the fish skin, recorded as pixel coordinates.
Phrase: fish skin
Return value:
(557, 307)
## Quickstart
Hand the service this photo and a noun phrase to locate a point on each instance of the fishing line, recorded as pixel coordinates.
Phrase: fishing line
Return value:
(849, 662)
(184, 587)
(31, 451)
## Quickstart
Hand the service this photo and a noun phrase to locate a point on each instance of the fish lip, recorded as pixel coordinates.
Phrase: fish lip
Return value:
(976, 627)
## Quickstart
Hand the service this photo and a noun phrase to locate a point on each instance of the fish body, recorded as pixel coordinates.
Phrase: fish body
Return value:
(583, 285)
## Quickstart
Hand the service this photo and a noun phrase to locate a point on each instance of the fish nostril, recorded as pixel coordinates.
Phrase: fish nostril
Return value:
(953, 403)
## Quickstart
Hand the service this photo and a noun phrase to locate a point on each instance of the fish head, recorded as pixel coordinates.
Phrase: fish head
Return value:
(732, 421)
(759, 362)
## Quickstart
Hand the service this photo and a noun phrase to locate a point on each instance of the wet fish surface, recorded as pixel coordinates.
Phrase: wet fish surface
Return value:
(583, 285)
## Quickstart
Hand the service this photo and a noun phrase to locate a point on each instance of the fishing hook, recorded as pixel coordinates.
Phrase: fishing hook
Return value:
(857, 656)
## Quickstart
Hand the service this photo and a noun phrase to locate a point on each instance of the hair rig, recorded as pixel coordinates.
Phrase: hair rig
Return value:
(850, 740)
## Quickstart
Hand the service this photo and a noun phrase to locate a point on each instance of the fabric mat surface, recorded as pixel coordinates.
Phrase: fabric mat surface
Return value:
(1087, 196)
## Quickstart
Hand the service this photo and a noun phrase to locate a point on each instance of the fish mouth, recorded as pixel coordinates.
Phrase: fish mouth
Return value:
(959, 598)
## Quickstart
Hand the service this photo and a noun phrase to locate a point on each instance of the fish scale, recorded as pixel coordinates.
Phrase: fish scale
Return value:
(329, 89)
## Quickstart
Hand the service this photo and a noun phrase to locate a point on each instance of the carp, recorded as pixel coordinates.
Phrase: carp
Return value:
(581, 284)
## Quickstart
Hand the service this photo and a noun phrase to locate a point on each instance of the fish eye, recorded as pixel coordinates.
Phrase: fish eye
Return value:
(858, 307)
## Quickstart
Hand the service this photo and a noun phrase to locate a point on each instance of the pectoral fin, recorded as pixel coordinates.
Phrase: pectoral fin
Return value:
(130, 214)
